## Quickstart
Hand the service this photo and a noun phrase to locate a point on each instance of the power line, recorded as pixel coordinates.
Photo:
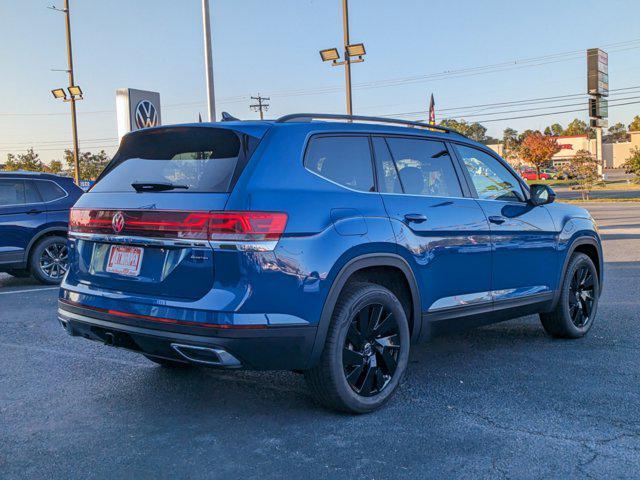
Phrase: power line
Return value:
(517, 102)
(457, 73)
(552, 113)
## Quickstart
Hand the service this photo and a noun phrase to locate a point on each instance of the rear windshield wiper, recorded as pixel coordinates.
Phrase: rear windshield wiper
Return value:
(156, 186)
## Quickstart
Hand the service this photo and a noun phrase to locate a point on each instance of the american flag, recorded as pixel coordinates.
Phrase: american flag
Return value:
(432, 111)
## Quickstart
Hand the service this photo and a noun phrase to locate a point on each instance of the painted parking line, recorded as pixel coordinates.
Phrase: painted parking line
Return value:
(30, 290)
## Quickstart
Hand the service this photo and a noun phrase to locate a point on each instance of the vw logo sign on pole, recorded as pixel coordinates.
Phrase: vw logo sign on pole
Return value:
(146, 114)
(136, 109)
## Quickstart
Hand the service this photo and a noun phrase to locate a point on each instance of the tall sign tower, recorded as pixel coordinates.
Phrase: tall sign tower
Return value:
(598, 90)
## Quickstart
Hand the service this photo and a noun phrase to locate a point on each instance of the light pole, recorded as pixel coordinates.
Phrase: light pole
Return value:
(355, 50)
(75, 93)
(206, 26)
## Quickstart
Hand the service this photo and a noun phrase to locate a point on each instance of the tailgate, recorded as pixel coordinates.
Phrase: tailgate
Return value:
(144, 244)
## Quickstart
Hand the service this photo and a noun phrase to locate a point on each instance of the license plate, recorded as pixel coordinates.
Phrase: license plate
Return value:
(125, 260)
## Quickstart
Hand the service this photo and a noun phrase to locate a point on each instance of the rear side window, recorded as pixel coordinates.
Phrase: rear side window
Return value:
(343, 160)
(12, 192)
(424, 167)
(191, 159)
(50, 191)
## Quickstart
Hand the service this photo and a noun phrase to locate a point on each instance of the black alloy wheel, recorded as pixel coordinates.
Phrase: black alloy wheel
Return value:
(576, 308)
(581, 296)
(370, 354)
(366, 350)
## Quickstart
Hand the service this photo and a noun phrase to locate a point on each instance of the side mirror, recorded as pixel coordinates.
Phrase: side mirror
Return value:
(541, 195)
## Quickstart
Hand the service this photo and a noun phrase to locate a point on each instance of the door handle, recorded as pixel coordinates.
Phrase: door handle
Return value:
(33, 211)
(415, 217)
(497, 219)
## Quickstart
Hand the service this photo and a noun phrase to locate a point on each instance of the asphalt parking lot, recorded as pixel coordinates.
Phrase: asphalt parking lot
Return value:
(500, 401)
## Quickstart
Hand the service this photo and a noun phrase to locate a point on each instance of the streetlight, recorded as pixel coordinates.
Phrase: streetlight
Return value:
(351, 51)
(74, 91)
(59, 93)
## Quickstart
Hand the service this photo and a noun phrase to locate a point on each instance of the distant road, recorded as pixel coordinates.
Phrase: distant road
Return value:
(568, 194)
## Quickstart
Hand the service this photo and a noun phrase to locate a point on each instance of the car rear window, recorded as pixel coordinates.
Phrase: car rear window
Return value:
(195, 159)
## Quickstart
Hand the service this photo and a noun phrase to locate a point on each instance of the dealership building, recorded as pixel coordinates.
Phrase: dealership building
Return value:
(614, 154)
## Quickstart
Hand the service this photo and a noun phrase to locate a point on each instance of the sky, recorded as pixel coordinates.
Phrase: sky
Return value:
(537, 49)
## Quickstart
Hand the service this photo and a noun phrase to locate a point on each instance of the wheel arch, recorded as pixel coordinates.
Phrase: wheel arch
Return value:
(365, 265)
(589, 246)
(47, 232)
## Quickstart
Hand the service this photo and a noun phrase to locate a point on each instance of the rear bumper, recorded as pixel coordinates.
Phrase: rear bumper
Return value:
(273, 348)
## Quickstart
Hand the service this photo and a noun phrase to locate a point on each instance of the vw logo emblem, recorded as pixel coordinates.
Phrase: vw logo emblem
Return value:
(146, 114)
(117, 222)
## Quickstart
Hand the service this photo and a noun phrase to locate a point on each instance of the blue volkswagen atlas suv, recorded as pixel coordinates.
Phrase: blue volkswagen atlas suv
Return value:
(323, 244)
(34, 212)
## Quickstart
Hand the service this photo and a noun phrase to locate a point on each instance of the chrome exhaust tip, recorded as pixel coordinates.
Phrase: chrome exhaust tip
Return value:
(206, 355)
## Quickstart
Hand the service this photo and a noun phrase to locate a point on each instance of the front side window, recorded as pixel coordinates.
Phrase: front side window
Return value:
(343, 160)
(424, 167)
(490, 178)
(12, 192)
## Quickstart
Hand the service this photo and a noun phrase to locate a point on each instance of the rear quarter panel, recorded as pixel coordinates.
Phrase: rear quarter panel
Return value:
(328, 225)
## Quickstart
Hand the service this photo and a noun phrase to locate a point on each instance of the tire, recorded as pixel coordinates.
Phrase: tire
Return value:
(577, 306)
(363, 379)
(167, 363)
(19, 273)
(48, 261)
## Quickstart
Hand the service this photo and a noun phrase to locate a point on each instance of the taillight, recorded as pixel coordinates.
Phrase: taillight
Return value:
(215, 226)
(246, 226)
(147, 223)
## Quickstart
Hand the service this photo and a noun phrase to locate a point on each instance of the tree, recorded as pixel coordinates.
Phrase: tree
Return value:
(29, 161)
(537, 149)
(554, 130)
(525, 134)
(510, 144)
(617, 133)
(632, 164)
(55, 166)
(634, 126)
(577, 127)
(91, 164)
(585, 168)
(474, 130)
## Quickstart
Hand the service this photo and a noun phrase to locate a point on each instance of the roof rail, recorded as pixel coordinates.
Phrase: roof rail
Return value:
(307, 117)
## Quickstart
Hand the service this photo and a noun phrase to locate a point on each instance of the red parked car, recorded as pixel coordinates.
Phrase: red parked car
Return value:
(531, 174)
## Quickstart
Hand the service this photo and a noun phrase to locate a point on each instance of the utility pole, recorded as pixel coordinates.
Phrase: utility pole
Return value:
(347, 65)
(260, 106)
(206, 26)
(74, 120)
